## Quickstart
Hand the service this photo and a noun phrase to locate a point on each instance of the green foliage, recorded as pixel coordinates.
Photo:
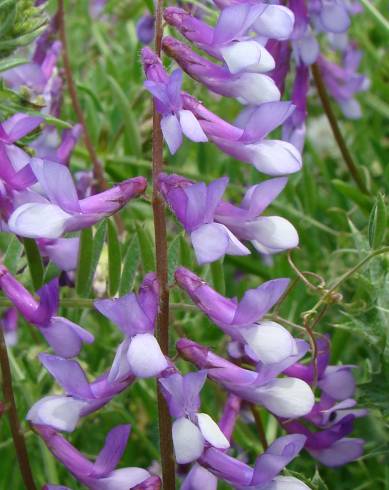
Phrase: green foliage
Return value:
(20, 23)
(337, 225)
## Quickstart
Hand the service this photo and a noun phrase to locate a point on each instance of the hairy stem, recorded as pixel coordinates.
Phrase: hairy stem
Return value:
(325, 100)
(164, 420)
(97, 167)
(17, 434)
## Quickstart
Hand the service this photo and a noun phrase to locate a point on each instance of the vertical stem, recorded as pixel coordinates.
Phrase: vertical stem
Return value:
(164, 421)
(17, 434)
(97, 167)
(325, 100)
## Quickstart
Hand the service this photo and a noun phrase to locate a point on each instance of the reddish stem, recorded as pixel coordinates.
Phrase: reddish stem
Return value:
(325, 100)
(164, 420)
(10, 407)
(97, 167)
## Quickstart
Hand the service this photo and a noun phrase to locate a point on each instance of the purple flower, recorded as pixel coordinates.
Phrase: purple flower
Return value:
(135, 314)
(14, 168)
(284, 397)
(63, 252)
(333, 414)
(305, 46)
(64, 336)
(247, 143)
(267, 466)
(176, 121)
(268, 234)
(344, 82)
(294, 126)
(9, 324)
(281, 52)
(49, 145)
(229, 41)
(195, 205)
(40, 75)
(100, 475)
(61, 211)
(265, 342)
(62, 412)
(330, 15)
(248, 88)
(145, 29)
(192, 431)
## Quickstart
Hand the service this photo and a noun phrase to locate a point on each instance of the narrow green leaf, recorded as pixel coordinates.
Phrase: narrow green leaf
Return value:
(185, 253)
(130, 265)
(348, 190)
(34, 261)
(146, 249)
(132, 140)
(84, 262)
(9, 63)
(173, 257)
(98, 244)
(377, 222)
(217, 273)
(54, 121)
(51, 272)
(150, 5)
(114, 259)
(13, 254)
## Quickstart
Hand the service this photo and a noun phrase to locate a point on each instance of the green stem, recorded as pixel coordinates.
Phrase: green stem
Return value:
(327, 296)
(376, 14)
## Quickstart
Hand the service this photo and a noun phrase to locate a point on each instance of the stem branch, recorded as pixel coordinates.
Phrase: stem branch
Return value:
(97, 167)
(325, 100)
(17, 434)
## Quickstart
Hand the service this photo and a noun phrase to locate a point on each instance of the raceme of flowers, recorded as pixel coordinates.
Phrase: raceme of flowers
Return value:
(250, 46)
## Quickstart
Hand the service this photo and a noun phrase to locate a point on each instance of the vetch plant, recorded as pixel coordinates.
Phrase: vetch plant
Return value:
(239, 388)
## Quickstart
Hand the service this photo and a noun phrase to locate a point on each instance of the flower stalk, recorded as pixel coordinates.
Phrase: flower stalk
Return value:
(164, 420)
(17, 434)
(97, 167)
(325, 100)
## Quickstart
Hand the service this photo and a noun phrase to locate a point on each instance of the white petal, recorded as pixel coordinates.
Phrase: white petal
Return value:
(191, 127)
(255, 89)
(273, 234)
(211, 431)
(286, 483)
(120, 368)
(171, 131)
(247, 56)
(269, 341)
(59, 412)
(286, 397)
(351, 108)
(308, 49)
(145, 356)
(187, 440)
(275, 157)
(212, 241)
(121, 479)
(38, 220)
(276, 22)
